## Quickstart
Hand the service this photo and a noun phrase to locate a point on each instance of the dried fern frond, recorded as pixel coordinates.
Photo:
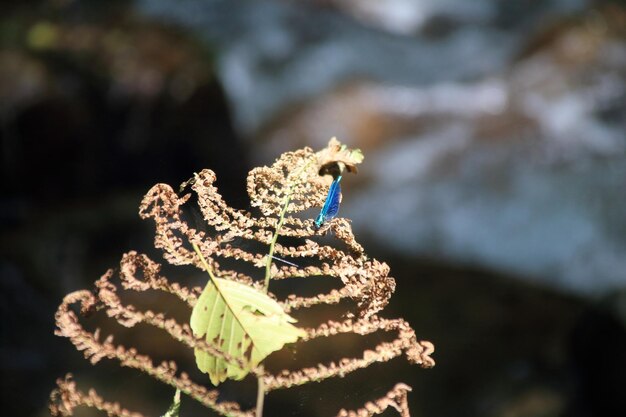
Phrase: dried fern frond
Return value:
(67, 397)
(277, 226)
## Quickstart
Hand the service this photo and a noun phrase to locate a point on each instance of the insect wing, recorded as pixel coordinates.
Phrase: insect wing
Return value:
(331, 205)
(333, 199)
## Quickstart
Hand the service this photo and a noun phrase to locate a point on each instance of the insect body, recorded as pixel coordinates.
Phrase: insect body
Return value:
(331, 205)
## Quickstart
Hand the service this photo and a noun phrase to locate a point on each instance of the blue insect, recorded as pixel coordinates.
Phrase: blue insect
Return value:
(331, 205)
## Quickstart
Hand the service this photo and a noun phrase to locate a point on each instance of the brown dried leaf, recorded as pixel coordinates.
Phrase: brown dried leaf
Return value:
(339, 155)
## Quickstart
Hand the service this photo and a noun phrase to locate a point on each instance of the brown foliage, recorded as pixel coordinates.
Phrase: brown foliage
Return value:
(291, 185)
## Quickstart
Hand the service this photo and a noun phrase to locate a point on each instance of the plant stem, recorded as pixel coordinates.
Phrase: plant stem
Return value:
(204, 262)
(281, 220)
(260, 397)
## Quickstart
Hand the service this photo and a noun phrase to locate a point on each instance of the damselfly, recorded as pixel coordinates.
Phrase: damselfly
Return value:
(331, 205)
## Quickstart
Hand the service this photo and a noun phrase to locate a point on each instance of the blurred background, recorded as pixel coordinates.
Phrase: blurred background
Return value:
(494, 183)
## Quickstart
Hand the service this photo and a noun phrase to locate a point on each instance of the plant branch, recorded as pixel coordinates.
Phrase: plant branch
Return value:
(281, 220)
(260, 396)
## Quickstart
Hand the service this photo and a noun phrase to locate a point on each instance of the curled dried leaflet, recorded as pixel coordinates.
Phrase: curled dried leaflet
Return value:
(291, 185)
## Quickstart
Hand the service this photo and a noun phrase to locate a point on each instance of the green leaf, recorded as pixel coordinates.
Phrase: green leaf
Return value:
(240, 321)
(174, 409)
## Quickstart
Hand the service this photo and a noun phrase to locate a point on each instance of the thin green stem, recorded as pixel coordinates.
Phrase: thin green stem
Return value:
(281, 220)
(260, 397)
(268, 262)
(203, 261)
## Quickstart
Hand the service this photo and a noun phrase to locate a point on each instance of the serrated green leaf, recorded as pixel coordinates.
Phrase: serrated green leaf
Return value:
(240, 321)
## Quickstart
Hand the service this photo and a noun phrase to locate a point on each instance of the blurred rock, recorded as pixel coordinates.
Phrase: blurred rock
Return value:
(523, 171)
(411, 17)
(273, 54)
